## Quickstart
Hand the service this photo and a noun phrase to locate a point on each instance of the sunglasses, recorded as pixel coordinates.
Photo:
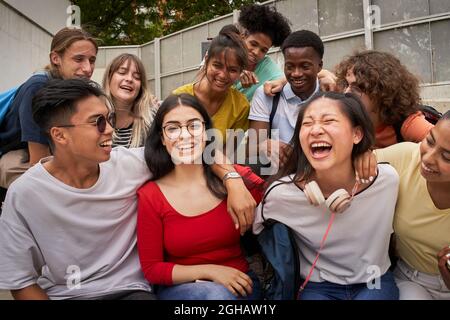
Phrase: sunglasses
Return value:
(100, 122)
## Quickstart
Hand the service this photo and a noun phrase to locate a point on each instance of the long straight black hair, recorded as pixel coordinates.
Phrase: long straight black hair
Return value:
(352, 107)
(159, 160)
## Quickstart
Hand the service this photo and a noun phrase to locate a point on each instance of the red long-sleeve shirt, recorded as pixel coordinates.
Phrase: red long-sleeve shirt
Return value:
(167, 238)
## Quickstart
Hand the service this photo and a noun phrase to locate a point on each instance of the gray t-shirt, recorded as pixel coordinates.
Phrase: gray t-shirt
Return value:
(356, 249)
(74, 243)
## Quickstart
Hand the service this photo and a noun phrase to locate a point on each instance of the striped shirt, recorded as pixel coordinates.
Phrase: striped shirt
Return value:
(122, 137)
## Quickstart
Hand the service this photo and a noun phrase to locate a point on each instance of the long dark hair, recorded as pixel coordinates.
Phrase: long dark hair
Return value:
(352, 107)
(159, 160)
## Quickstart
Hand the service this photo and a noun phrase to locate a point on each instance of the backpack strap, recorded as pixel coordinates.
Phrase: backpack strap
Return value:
(263, 202)
(431, 114)
(275, 101)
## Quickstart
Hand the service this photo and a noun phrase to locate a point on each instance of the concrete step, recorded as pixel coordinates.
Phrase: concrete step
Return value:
(5, 295)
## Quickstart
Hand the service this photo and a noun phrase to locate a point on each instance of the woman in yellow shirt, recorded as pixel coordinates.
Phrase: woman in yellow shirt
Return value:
(422, 214)
(226, 59)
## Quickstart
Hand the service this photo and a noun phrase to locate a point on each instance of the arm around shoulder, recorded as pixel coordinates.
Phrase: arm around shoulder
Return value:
(398, 154)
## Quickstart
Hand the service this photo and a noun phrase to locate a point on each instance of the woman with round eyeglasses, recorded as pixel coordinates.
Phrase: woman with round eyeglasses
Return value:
(389, 92)
(188, 244)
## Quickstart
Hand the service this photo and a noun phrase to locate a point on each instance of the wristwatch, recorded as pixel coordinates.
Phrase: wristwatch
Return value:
(231, 175)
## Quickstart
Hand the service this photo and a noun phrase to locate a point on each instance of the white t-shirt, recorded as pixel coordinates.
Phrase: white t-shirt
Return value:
(74, 243)
(356, 249)
(287, 111)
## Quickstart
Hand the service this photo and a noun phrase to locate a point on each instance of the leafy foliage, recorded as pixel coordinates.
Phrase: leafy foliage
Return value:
(125, 22)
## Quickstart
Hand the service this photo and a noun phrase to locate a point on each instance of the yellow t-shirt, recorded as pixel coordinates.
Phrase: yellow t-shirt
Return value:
(421, 230)
(232, 114)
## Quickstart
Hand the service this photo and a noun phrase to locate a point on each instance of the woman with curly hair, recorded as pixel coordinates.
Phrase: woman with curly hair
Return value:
(390, 94)
(125, 83)
(262, 27)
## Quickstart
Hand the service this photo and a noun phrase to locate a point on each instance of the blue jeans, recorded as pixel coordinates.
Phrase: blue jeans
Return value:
(330, 291)
(206, 290)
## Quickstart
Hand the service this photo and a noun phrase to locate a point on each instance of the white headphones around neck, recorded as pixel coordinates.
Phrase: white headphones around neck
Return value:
(337, 202)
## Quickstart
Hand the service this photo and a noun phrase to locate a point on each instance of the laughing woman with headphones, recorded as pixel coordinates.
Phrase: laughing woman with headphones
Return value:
(317, 196)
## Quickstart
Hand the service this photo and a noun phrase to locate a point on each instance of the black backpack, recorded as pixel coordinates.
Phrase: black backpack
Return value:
(430, 113)
(281, 258)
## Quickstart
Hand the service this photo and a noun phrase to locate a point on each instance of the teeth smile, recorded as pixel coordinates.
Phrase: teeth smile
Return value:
(320, 145)
(185, 147)
(107, 143)
(126, 88)
(427, 169)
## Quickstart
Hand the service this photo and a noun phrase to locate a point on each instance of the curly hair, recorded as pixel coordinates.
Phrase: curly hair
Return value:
(387, 82)
(267, 20)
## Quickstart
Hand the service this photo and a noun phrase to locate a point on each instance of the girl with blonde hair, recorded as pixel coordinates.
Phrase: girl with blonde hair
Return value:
(125, 83)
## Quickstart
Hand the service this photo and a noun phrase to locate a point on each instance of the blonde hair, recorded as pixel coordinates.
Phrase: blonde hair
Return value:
(143, 109)
(62, 40)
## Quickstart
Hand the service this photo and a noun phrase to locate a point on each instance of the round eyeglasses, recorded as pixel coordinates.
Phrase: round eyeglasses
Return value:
(173, 130)
(100, 122)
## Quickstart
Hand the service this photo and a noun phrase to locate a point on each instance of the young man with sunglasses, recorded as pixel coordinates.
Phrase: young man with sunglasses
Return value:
(68, 228)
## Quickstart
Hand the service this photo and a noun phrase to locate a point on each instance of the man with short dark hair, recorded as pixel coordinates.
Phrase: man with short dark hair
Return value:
(68, 228)
(303, 53)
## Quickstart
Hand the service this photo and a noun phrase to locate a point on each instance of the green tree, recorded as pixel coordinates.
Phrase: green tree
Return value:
(124, 22)
(120, 22)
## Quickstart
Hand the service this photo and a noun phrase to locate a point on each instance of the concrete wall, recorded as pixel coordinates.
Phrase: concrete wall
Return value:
(26, 29)
(48, 14)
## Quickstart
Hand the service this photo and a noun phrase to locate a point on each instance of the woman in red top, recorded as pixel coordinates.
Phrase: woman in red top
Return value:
(390, 94)
(187, 241)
